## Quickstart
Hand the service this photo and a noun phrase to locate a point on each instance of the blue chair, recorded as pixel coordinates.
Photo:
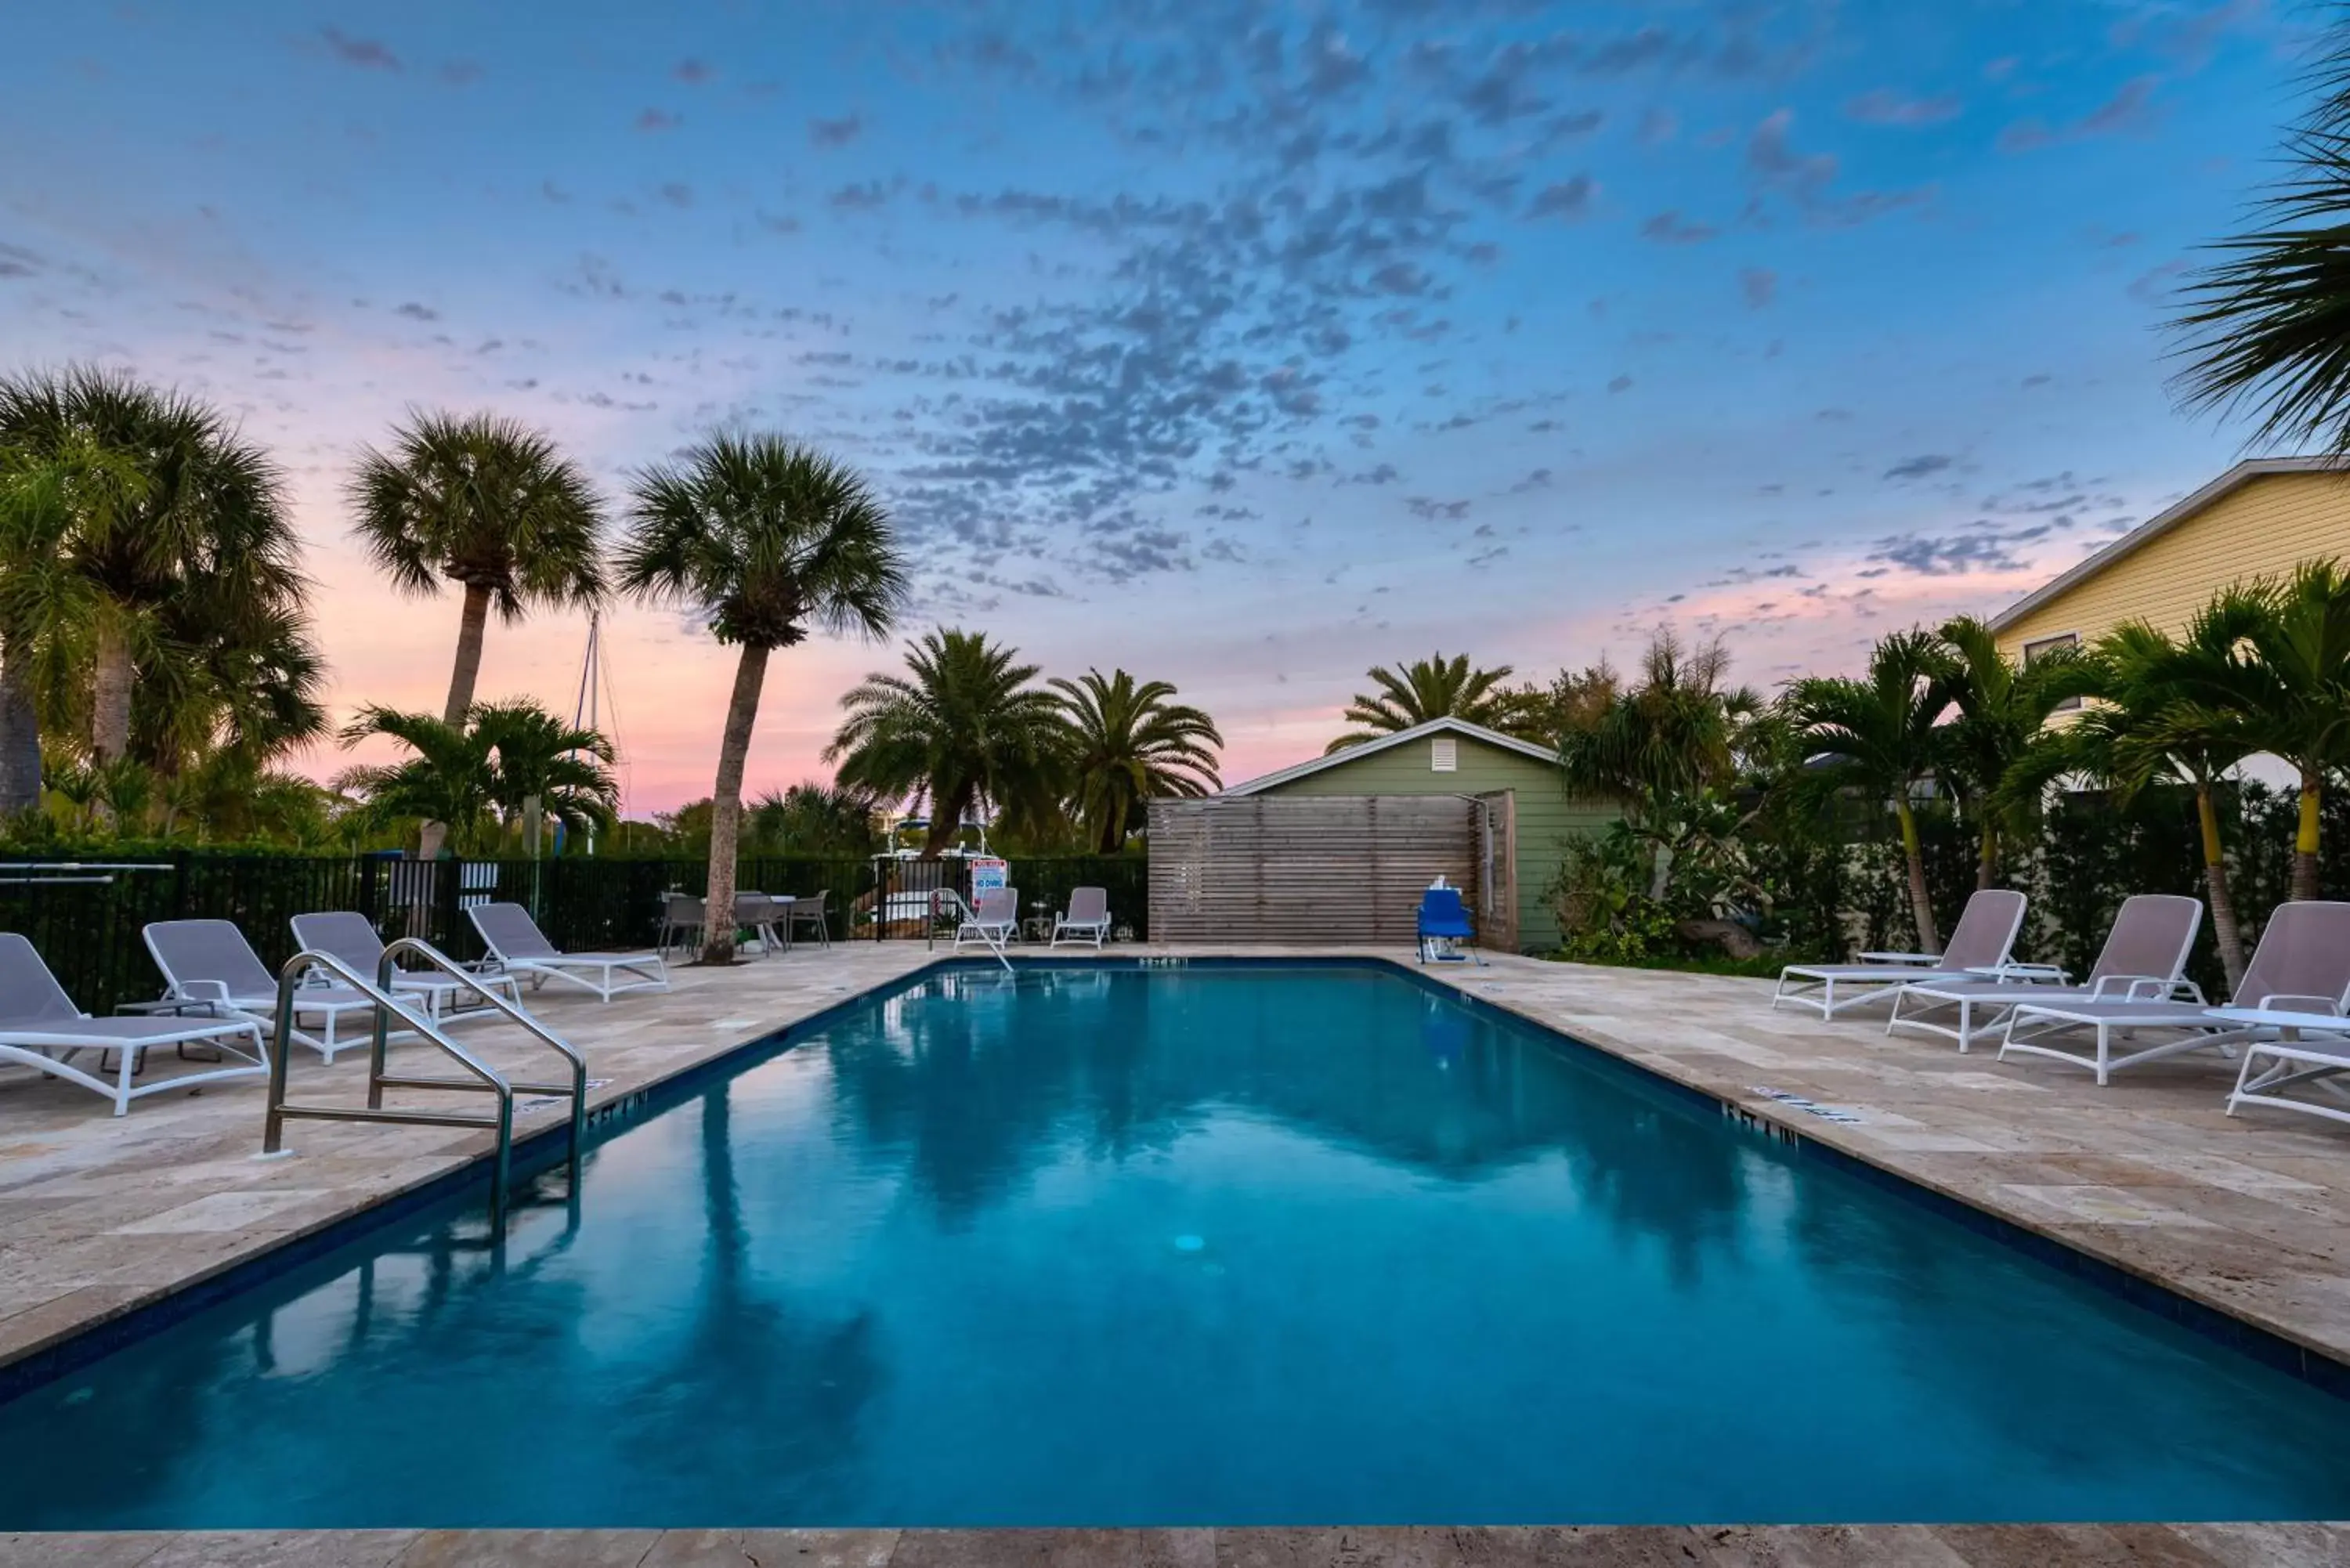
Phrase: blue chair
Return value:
(1444, 920)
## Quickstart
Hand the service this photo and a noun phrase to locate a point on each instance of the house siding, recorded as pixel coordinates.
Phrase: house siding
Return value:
(2266, 528)
(1546, 818)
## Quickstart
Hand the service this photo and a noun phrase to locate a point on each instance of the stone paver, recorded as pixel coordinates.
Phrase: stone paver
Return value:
(2250, 1215)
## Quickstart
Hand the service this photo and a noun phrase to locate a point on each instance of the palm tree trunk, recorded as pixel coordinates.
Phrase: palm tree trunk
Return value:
(20, 738)
(462, 679)
(2304, 844)
(946, 821)
(2224, 930)
(109, 707)
(1921, 904)
(726, 805)
(1987, 859)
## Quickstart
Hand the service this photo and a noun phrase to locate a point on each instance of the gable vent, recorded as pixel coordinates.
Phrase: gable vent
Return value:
(1444, 756)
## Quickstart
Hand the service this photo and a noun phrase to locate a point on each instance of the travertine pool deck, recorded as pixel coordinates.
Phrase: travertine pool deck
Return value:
(2248, 1215)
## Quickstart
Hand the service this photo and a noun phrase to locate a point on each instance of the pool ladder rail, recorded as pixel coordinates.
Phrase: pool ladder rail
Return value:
(483, 1078)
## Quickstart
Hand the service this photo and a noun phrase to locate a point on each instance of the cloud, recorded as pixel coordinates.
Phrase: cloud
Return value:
(1430, 510)
(1669, 228)
(2154, 286)
(366, 54)
(1759, 285)
(861, 197)
(2129, 111)
(1569, 199)
(1919, 467)
(836, 132)
(415, 312)
(657, 119)
(459, 73)
(676, 192)
(1620, 384)
(1885, 106)
(691, 72)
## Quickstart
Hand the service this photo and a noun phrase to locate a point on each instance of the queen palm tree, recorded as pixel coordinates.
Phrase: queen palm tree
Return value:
(961, 729)
(766, 538)
(1879, 734)
(446, 778)
(1129, 744)
(537, 757)
(206, 517)
(1433, 687)
(490, 504)
(813, 819)
(2002, 707)
(2160, 715)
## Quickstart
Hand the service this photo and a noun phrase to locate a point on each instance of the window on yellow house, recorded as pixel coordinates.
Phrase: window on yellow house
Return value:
(2033, 650)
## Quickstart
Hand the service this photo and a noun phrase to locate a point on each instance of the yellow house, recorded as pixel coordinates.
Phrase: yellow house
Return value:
(2261, 518)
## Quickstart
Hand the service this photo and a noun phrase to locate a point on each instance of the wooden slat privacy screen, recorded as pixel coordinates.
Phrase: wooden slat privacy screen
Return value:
(1305, 868)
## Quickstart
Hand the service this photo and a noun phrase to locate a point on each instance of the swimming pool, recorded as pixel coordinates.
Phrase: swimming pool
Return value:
(1231, 1245)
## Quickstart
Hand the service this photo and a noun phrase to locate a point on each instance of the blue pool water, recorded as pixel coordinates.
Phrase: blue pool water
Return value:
(1203, 1246)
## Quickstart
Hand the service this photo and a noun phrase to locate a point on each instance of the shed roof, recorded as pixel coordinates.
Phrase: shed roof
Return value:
(1439, 726)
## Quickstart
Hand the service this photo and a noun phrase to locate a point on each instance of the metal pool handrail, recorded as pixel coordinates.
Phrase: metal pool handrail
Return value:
(484, 1079)
(969, 917)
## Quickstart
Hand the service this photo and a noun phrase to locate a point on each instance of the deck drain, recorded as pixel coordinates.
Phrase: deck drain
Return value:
(1797, 1102)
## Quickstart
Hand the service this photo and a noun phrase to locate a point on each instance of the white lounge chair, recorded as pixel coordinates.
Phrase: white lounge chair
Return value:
(1978, 949)
(2144, 958)
(209, 962)
(39, 1025)
(2290, 1049)
(520, 948)
(991, 920)
(1086, 922)
(346, 934)
(2303, 964)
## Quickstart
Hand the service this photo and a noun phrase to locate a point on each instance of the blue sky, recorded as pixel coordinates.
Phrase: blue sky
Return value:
(1244, 345)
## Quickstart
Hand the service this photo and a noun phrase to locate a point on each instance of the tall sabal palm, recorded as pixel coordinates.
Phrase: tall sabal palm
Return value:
(769, 539)
(2160, 715)
(490, 504)
(960, 728)
(2002, 707)
(207, 517)
(1878, 735)
(1127, 743)
(2261, 325)
(1432, 688)
(257, 686)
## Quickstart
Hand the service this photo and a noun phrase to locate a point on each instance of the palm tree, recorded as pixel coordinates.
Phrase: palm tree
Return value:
(447, 778)
(207, 517)
(2285, 688)
(1433, 687)
(765, 538)
(2002, 707)
(813, 819)
(2262, 327)
(1878, 735)
(486, 502)
(2156, 719)
(1657, 747)
(961, 729)
(536, 757)
(1129, 744)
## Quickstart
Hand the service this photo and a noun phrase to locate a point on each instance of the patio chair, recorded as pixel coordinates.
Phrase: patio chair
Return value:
(757, 913)
(40, 1026)
(347, 934)
(991, 920)
(682, 922)
(521, 949)
(803, 911)
(2143, 958)
(1978, 949)
(2308, 1049)
(1442, 925)
(1087, 921)
(2302, 965)
(210, 963)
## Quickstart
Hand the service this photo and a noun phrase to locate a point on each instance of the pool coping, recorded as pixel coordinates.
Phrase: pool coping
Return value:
(2273, 1344)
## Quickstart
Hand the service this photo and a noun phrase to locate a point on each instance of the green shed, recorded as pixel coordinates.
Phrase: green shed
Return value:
(1451, 756)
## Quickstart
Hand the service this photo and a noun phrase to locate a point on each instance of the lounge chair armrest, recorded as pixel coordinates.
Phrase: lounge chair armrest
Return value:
(1882, 957)
(214, 991)
(2135, 987)
(2029, 971)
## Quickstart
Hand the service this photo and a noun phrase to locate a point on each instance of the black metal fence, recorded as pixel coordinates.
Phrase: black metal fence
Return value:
(88, 930)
